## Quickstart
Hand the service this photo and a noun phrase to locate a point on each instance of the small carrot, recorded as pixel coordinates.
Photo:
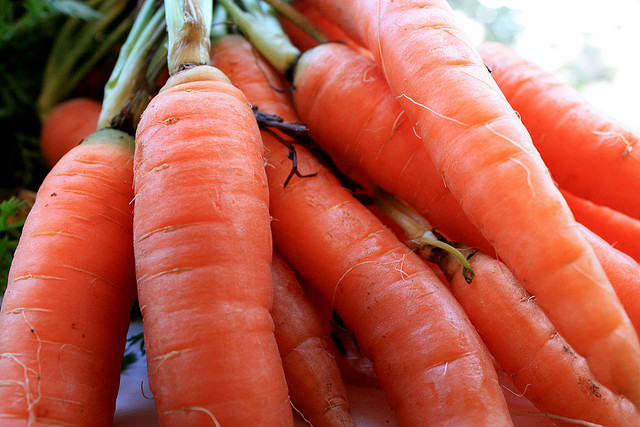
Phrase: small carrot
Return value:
(489, 163)
(71, 286)
(588, 153)
(618, 229)
(202, 244)
(541, 364)
(66, 125)
(315, 384)
(429, 360)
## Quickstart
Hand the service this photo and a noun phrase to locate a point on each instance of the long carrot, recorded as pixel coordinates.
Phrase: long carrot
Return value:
(539, 362)
(66, 125)
(428, 358)
(489, 163)
(71, 287)
(616, 228)
(588, 153)
(315, 384)
(202, 246)
(346, 102)
(70, 291)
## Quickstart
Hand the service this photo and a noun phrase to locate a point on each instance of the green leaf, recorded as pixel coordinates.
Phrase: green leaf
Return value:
(9, 236)
(75, 9)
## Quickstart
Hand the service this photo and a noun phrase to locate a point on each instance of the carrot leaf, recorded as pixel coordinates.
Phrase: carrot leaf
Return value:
(259, 23)
(79, 46)
(10, 230)
(129, 73)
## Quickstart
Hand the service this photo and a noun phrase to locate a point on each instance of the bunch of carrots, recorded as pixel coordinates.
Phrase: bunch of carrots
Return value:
(321, 165)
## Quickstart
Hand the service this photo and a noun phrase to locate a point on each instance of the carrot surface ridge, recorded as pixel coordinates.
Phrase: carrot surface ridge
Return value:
(430, 361)
(489, 163)
(71, 287)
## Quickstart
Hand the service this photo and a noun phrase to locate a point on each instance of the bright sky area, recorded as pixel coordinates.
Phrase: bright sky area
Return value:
(554, 33)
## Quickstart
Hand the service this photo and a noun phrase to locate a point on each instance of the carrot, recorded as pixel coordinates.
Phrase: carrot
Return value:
(71, 286)
(428, 358)
(622, 270)
(346, 102)
(66, 125)
(202, 246)
(489, 163)
(616, 228)
(305, 42)
(537, 359)
(315, 384)
(588, 153)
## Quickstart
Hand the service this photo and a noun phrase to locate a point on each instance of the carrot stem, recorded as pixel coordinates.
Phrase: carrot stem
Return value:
(261, 26)
(144, 36)
(188, 26)
(420, 233)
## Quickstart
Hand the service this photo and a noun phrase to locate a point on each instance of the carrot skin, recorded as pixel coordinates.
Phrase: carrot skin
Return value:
(203, 256)
(368, 136)
(430, 361)
(541, 364)
(588, 153)
(410, 361)
(507, 192)
(616, 228)
(305, 42)
(66, 125)
(71, 287)
(315, 383)
(622, 270)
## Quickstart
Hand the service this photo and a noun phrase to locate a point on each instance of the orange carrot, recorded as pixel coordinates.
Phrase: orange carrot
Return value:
(66, 125)
(489, 163)
(591, 155)
(616, 228)
(540, 363)
(351, 113)
(429, 360)
(70, 291)
(202, 245)
(315, 385)
(71, 286)
(622, 270)
(305, 42)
